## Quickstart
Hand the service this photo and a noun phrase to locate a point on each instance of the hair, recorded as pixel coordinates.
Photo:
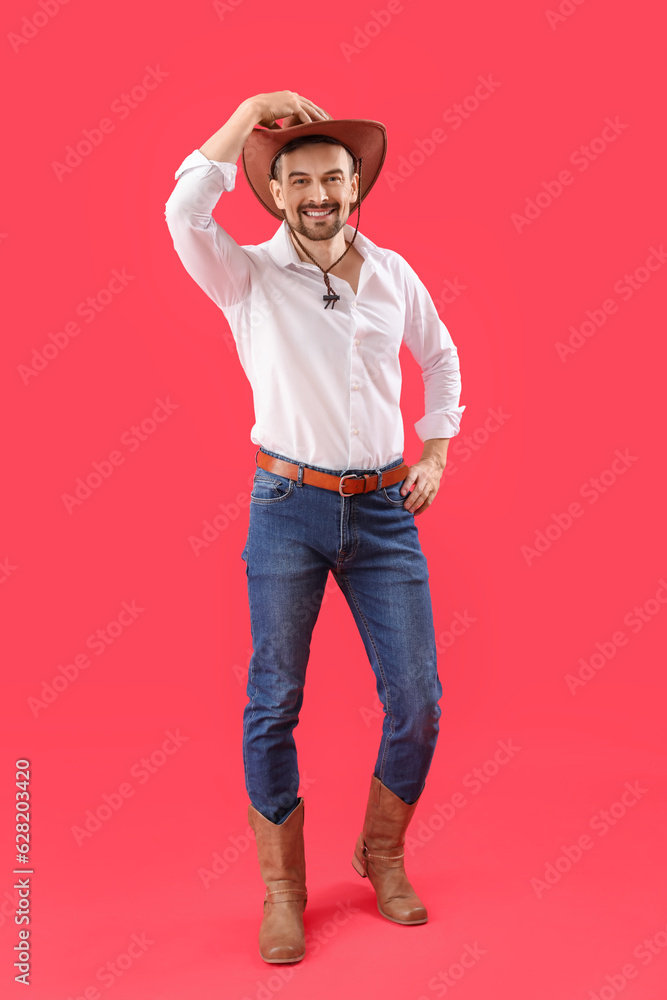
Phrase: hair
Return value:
(276, 169)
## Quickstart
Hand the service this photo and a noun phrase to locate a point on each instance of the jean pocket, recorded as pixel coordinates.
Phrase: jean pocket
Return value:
(392, 494)
(267, 487)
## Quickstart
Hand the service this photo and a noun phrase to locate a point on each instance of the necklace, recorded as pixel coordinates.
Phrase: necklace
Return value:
(330, 298)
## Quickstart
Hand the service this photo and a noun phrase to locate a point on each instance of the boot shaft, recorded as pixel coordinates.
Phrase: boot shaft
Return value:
(280, 847)
(387, 817)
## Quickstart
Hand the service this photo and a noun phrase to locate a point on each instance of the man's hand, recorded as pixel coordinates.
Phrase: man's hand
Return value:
(426, 475)
(226, 145)
(296, 110)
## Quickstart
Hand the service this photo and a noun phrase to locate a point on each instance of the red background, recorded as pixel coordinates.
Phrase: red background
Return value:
(180, 665)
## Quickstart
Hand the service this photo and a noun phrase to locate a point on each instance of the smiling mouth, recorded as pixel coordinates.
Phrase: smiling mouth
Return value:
(319, 213)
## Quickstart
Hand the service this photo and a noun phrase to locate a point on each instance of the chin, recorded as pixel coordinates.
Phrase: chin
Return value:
(314, 228)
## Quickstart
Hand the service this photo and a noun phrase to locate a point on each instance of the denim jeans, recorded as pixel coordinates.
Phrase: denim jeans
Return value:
(297, 534)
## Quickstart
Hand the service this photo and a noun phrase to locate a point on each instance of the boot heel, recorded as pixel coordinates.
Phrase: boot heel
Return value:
(358, 867)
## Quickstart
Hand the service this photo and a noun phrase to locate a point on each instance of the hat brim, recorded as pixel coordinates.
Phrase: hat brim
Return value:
(366, 139)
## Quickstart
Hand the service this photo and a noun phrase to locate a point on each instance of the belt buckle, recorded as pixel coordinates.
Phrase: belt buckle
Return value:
(352, 475)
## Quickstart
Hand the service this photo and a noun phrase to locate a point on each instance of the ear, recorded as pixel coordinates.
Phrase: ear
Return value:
(276, 191)
(354, 189)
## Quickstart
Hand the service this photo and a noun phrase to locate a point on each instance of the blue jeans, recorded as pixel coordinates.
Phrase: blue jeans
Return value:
(297, 534)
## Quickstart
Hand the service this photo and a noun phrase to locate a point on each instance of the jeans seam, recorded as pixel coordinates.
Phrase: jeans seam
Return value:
(250, 665)
(347, 583)
(354, 532)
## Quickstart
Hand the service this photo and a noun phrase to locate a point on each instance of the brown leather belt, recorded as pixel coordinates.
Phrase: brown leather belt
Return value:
(352, 482)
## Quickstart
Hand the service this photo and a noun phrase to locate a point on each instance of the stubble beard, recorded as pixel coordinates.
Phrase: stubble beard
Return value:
(314, 230)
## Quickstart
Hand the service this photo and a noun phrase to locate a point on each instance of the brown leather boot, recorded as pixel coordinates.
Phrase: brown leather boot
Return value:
(379, 855)
(282, 865)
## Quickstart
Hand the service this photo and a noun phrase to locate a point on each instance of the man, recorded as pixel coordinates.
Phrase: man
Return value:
(318, 314)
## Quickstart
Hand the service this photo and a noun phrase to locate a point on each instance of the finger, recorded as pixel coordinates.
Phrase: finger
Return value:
(415, 500)
(418, 497)
(412, 502)
(422, 501)
(319, 112)
(311, 104)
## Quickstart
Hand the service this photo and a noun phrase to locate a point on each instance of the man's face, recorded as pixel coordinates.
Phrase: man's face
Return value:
(315, 189)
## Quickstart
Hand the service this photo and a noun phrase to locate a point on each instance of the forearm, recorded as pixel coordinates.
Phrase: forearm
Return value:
(435, 450)
(227, 143)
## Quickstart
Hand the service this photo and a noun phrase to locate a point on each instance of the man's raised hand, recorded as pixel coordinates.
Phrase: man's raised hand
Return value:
(287, 104)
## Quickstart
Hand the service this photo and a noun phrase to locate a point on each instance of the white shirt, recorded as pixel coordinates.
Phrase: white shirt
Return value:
(326, 382)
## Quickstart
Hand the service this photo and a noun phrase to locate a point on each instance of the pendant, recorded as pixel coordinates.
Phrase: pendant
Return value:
(333, 298)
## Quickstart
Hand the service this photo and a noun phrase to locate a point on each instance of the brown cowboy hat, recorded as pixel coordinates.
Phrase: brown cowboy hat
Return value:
(364, 138)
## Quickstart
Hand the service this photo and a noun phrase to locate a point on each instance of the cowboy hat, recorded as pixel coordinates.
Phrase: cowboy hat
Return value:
(364, 138)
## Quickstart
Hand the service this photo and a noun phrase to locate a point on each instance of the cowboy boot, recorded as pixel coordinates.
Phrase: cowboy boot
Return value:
(379, 854)
(283, 869)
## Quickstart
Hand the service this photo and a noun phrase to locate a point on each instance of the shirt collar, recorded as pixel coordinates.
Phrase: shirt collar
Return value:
(281, 247)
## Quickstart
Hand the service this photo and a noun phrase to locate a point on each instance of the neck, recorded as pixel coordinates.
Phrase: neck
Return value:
(325, 252)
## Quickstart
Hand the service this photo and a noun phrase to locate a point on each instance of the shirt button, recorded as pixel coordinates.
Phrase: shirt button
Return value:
(357, 342)
(355, 431)
(354, 303)
(356, 385)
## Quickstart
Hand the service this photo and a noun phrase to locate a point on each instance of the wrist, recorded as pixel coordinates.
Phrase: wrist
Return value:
(250, 110)
(435, 452)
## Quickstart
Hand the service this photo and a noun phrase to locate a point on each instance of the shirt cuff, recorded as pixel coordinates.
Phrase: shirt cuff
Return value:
(197, 159)
(439, 425)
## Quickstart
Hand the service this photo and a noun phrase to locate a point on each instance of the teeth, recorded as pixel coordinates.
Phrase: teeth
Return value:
(318, 214)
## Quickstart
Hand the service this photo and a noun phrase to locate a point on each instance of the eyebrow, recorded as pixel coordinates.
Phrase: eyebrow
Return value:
(304, 173)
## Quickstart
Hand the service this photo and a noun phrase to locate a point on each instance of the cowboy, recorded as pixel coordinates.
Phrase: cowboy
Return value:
(331, 492)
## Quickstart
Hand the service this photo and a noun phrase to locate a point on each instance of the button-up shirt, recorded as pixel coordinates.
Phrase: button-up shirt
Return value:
(326, 383)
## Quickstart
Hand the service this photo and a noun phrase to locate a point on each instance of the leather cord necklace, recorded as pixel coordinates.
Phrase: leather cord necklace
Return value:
(330, 298)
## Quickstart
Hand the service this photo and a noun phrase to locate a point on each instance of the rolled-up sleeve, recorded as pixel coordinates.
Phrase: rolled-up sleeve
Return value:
(208, 253)
(430, 343)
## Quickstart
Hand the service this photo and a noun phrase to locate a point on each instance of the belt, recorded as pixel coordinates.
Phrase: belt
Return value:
(364, 482)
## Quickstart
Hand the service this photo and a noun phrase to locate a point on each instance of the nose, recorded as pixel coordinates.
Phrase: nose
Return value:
(320, 192)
